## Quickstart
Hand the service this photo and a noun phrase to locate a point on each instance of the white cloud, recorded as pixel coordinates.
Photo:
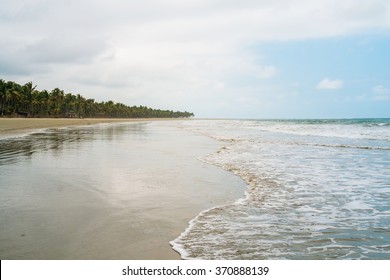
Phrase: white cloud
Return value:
(327, 83)
(378, 93)
(380, 90)
(381, 93)
(148, 51)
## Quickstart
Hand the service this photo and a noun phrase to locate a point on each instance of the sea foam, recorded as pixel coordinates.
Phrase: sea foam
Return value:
(316, 190)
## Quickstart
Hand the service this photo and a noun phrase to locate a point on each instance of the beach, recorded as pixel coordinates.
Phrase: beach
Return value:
(94, 189)
(17, 126)
(131, 189)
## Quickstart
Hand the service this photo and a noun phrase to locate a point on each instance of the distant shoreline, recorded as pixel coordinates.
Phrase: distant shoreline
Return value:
(15, 126)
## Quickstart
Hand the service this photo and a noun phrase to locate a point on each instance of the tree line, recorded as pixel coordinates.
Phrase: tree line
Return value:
(26, 100)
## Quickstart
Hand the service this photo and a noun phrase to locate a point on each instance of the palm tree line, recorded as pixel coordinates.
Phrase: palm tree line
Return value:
(26, 100)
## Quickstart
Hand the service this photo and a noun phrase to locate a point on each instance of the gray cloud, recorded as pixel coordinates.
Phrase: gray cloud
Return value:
(155, 50)
(65, 49)
(12, 69)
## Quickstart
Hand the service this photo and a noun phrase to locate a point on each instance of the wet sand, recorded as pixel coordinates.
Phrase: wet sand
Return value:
(116, 191)
(18, 126)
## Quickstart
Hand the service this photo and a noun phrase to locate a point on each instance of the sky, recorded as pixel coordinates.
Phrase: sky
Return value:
(215, 58)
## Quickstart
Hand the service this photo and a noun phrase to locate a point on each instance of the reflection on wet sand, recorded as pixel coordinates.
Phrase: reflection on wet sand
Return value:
(117, 191)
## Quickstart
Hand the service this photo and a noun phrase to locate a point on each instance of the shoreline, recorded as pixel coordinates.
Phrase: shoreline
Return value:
(16, 127)
(135, 206)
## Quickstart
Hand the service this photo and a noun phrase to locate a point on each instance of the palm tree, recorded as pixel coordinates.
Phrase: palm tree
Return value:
(81, 105)
(12, 96)
(2, 95)
(27, 92)
(56, 97)
(43, 97)
(15, 97)
(89, 108)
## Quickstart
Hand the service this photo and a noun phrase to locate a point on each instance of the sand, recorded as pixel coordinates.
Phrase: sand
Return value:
(124, 196)
(19, 126)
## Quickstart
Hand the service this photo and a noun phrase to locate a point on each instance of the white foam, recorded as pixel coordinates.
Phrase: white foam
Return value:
(177, 243)
(301, 191)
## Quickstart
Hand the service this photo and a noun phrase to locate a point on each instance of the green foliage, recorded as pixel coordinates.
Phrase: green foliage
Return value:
(26, 100)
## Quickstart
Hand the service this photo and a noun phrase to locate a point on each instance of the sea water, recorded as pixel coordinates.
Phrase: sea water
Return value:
(317, 189)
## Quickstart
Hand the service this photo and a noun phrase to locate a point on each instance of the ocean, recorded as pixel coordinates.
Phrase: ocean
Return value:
(316, 189)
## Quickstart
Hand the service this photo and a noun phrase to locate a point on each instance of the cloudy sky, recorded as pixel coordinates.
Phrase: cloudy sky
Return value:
(216, 58)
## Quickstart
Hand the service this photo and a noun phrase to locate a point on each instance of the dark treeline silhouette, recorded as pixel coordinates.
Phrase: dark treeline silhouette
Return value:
(26, 100)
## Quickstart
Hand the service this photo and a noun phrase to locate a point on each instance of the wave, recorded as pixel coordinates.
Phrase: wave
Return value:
(352, 147)
(178, 245)
(306, 198)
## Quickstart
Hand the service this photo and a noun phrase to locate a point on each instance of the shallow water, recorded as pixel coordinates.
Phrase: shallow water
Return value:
(317, 189)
